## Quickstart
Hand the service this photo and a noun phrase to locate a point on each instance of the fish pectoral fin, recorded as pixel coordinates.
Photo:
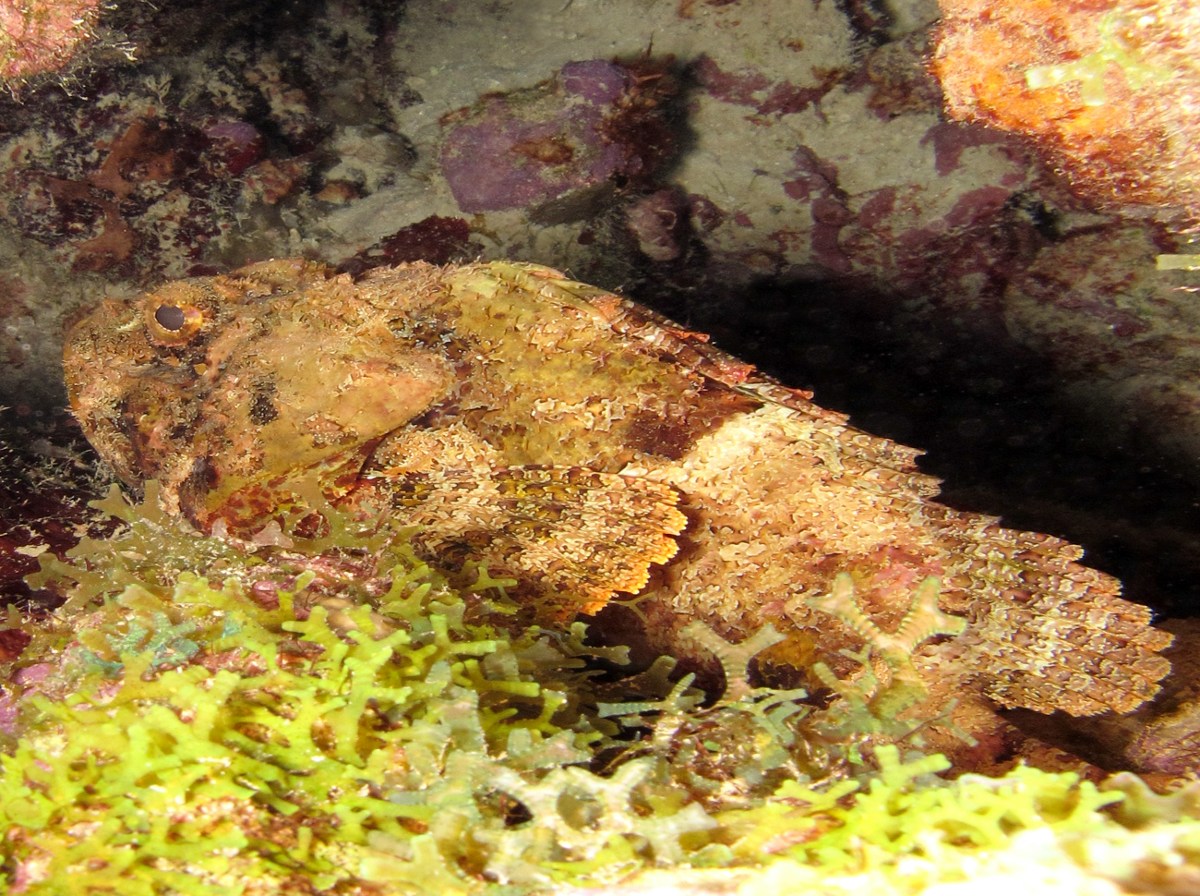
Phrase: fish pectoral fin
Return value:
(572, 535)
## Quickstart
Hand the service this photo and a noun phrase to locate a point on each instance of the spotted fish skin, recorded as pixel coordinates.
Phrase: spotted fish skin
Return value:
(593, 450)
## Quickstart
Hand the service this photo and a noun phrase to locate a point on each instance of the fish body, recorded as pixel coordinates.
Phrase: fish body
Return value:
(592, 450)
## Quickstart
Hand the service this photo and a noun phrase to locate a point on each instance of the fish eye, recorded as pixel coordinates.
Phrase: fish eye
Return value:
(173, 323)
(170, 317)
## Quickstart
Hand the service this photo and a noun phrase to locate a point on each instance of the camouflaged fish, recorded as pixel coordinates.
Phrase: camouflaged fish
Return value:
(592, 450)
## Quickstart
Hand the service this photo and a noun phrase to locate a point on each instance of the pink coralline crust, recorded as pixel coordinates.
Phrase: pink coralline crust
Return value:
(1123, 324)
(975, 206)
(814, 181)
(9, 713)
(13, 304)
(595, 81)
(941, 253)
(947, 240)
(436, 239)
(749, 87)
(39, 36)
(1086, 301)
(523, 163)
(811, 176)
(827, 250)
(949, 139)
(659, 223)
(705, 214)
(829, 217)
(831, 212)
(238, 144)
(530, 147)
(1119, 331)
(877, 208)
(946, 233)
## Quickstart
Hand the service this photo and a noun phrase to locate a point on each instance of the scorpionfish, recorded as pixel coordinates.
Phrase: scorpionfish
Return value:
(592, 451)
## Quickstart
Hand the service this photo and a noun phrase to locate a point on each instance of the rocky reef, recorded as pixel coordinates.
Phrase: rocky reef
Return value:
(970, 229)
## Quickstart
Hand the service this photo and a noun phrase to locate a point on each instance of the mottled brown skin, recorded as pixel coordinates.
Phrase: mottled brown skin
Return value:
(590, 449)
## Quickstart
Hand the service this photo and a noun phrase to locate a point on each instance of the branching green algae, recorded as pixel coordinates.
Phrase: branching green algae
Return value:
(329, 714)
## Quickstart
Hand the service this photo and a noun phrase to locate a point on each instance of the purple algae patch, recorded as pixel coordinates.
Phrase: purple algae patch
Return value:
(532, 146)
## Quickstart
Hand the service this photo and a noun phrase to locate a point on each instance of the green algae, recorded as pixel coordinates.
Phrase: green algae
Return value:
(329, 715)
(1115, 51)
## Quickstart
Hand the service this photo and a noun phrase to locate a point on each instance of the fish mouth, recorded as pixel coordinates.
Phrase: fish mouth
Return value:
(106, 388)
(111, 436)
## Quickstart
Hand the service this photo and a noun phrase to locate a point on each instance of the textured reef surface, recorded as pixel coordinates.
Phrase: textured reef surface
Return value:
(966, 227)
(42, 36)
